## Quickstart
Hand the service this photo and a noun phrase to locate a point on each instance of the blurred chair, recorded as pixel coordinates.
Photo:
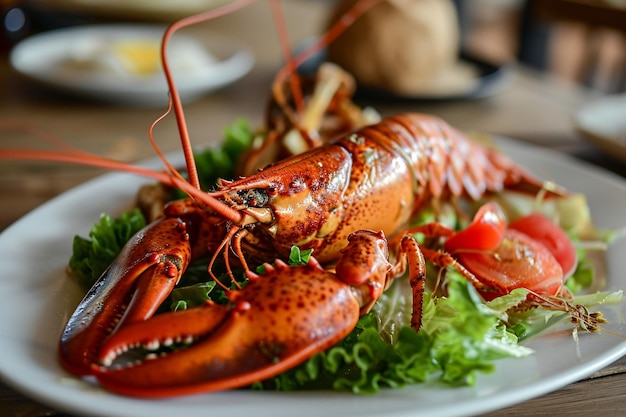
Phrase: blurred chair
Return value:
(596, 18)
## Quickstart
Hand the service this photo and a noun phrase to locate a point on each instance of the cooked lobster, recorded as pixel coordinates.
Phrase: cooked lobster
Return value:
(327, 199)
(342, 198)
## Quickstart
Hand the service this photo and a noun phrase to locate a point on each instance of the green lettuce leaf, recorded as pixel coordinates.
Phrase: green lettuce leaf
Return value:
(91, 256)
(460, 337)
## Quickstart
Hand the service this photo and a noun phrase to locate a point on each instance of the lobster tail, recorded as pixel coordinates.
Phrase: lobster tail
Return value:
(445, 162)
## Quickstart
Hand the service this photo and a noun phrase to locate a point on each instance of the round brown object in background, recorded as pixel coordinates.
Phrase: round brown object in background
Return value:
(398, 45)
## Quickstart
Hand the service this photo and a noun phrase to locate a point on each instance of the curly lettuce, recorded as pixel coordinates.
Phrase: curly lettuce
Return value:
(460, 337)
(90, 257)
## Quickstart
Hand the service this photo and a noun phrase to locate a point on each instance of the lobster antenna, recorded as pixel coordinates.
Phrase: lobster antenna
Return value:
(88, 159)
(344, 22)
(283, 37)
(39, 133)
(172, 170)
(174, 95)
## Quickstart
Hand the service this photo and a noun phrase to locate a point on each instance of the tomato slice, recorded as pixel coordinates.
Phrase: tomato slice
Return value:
(545, 231)
(484, 233)
(518, 262)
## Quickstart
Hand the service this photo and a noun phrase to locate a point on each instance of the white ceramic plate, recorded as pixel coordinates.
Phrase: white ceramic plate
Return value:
(37, 299)
(83, 60)
(603, 122)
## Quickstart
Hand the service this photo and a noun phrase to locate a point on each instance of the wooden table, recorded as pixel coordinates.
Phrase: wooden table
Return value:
(534, 109)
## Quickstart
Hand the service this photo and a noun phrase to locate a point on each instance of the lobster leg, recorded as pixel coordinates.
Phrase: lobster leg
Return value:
(277, 321)
(412, 257)
(130, 290)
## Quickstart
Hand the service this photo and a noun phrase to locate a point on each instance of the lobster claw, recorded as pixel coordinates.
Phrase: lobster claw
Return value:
(130, 290)
(277, 321)
(274, 323)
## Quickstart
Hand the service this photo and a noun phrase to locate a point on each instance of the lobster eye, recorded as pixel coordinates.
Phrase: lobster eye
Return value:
(272, 191)
(256, 197)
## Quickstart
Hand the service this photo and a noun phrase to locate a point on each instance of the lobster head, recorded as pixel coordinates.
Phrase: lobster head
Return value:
(297, 202)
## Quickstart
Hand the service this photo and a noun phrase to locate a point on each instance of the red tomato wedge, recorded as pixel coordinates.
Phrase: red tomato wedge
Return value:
(546, 232)
(484, 233)
(519, 262)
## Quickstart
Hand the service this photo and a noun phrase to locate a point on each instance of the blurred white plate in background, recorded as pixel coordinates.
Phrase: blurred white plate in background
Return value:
(121, 63)
(163, 10)
(603, 123)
